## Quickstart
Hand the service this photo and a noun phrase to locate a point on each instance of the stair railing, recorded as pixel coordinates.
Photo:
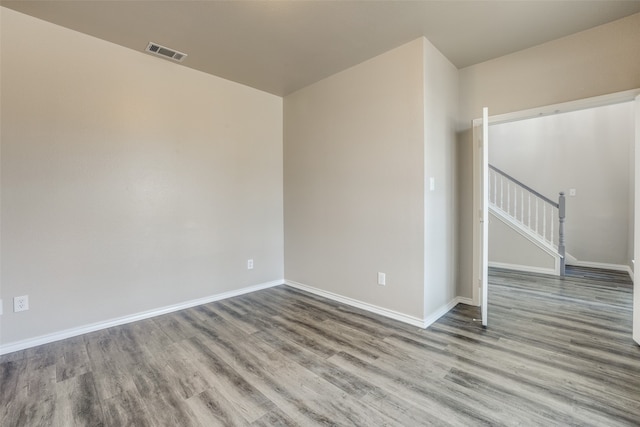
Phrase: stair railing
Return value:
(530, 209)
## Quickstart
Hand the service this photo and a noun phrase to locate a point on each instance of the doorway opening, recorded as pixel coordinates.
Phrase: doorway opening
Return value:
(481, 156)
(584, 154)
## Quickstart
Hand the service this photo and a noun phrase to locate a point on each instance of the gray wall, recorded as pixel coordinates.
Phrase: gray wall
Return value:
(354, 182)
(599, 61)
(510, 249)
(441, 112)
(129, 183)
(587, 150)
(358, 148)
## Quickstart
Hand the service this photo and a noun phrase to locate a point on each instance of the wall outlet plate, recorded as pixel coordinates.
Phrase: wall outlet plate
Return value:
(250, 264)
(21, 303)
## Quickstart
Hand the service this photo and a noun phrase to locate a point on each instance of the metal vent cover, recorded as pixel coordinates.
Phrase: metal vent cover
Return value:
(165, 52)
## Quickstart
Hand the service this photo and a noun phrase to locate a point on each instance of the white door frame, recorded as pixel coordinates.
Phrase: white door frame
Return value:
(481, 214)
(581, 104)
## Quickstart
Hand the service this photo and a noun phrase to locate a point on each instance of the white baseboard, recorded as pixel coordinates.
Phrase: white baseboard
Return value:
(466, 301)
(602, 265)
(411, 320)
(526, 268)
(392, 314)
(68, 333)
(441, 312)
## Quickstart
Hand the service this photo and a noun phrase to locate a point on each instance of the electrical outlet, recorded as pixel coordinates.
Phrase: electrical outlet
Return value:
(382, 279)
(21, 303)
(250, 264)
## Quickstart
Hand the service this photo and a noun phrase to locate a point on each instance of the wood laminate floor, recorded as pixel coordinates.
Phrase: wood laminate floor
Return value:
(556, 353)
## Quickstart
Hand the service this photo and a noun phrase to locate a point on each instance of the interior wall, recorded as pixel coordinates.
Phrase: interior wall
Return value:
(587, 150)
(598, 61)
(509, 249)
(441, 112)
(128, 182)
(354, 182)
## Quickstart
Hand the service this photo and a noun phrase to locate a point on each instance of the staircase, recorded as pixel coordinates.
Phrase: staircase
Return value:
(529, 213)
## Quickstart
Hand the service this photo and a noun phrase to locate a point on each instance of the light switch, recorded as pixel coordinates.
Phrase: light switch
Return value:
(382, 279)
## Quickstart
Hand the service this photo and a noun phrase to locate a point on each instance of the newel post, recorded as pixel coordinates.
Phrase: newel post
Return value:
(561, 242)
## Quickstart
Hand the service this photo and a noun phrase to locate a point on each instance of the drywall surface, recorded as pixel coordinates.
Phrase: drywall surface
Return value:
(128, 182)
(510, 249)
(441, 109)
(585, 150)
(602, 60)
(354, 182)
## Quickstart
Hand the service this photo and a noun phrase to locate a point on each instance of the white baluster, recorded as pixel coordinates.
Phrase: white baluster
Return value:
(544, 221)
(529, 211)
(551, 227)
(515, 202)
(508, 198)
(511, 208)
(536, 214)
(495, 188)
(490, 186)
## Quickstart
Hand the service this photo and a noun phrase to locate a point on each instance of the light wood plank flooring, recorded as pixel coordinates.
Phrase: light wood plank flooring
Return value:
(556, 353)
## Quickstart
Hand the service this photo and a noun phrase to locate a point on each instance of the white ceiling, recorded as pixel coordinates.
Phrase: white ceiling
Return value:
(282, 46)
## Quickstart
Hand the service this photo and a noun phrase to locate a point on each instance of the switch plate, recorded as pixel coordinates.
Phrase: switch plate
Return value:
(572, 192)
(21, 303)
(432, 184)
(382, 279)
(250, 264)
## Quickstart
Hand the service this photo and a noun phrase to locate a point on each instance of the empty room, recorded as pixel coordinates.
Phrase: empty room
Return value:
(261, 213)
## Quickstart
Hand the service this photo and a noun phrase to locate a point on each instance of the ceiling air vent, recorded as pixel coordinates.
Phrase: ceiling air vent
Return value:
(165, 52)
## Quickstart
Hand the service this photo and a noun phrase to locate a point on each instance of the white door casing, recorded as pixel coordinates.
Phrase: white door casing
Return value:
(481, 213)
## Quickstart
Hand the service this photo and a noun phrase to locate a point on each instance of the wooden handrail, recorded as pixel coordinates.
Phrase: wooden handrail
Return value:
(560, 205)
(526, 187)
